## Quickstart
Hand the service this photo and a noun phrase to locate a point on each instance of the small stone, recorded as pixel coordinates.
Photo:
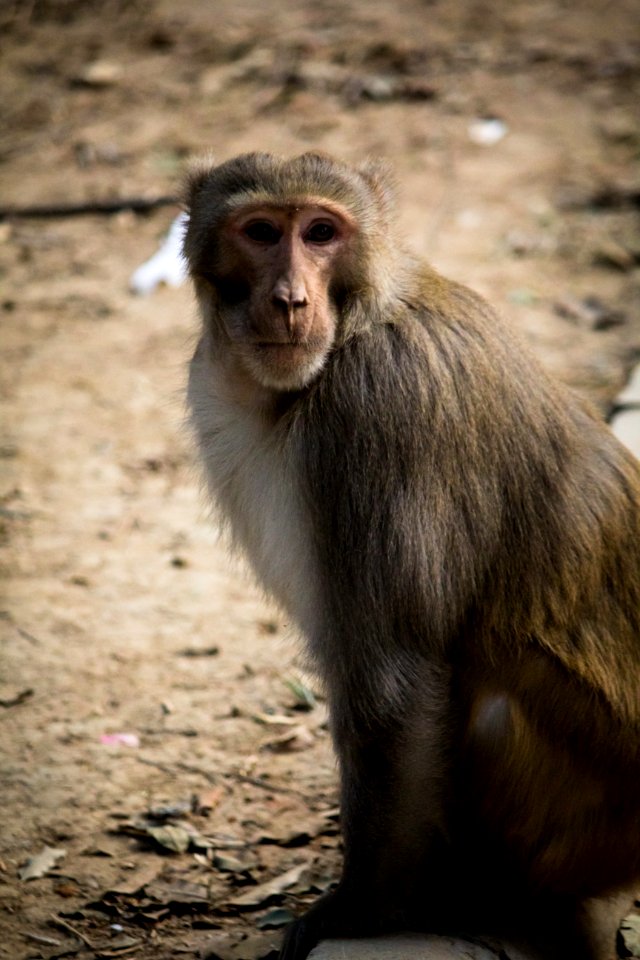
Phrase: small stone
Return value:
(612, 254)
(101, 73)
(619, 127)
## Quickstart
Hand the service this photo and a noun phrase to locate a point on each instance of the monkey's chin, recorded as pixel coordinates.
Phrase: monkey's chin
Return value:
(284, 367)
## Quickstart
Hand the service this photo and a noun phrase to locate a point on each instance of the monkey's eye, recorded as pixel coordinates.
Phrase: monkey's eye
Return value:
(261, 231)
(320, 233)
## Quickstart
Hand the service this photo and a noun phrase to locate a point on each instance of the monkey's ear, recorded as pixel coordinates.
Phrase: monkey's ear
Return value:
(198, 172)
(379, 175)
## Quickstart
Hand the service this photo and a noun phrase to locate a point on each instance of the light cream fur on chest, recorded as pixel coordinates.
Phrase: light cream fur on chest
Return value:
(253, 477)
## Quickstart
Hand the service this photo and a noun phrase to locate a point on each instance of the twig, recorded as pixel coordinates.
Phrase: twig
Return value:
(264, 784)
(27, 636)
(18, 699)
(59, 922)
(212, 778)
(171, 769)
(137, 204)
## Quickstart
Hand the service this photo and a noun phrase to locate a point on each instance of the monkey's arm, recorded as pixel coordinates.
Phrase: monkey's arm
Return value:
(393, 776)
(386, 541)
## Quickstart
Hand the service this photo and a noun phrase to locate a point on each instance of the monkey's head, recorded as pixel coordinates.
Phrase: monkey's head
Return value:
(281, 253)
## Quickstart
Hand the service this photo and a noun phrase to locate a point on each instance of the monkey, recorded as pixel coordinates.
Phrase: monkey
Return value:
(455, 534)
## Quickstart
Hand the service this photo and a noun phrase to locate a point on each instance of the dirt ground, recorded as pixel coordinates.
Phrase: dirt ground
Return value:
(123, 614)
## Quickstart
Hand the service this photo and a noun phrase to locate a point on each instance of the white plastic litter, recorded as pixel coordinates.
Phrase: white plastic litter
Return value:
(487, 131)
(167, 265)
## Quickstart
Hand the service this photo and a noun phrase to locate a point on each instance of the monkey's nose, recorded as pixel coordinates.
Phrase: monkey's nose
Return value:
(289, 295)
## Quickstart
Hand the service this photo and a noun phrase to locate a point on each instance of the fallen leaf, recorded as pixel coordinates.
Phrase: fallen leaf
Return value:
(170, 811)
(41, 863)
(179, 893)
(142, 875)
(103, 847)
(275, 719)
(299, 738)
(172, 837)
(221, 841)
(274, 919)
(300, 832)
(260, 895)
(177, 837)
(305, 698)
(121, 946)
(230, 864)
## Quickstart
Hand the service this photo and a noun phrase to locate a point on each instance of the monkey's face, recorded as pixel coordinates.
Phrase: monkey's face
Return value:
(274, 272)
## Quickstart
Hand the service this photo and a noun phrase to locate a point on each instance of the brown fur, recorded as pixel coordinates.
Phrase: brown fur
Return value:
(457, 536)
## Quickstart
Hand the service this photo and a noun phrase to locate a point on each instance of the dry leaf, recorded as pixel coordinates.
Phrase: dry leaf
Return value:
(300, 738)
(177, 891)
(260, 895)
(172, 837)
(143, 874)
(41, 864)
(275, 918)
(275, 719)
(229, 864)
(305, 698)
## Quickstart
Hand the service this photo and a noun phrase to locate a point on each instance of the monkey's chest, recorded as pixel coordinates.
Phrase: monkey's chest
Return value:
(252, 475)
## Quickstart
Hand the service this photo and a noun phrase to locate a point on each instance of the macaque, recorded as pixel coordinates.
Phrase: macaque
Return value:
(457, 538)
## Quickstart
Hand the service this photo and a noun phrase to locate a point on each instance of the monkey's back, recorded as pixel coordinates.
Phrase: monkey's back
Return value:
(459, 490)
(471, 505)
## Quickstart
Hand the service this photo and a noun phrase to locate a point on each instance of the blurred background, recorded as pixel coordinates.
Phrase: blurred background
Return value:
(144, 684)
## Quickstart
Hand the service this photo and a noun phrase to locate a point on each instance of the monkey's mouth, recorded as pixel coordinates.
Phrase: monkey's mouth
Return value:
(279, 344)
(287, 349)
(284, 356)
(285, 365)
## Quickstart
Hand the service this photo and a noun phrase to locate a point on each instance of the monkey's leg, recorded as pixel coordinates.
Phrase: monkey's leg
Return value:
(547, 814)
